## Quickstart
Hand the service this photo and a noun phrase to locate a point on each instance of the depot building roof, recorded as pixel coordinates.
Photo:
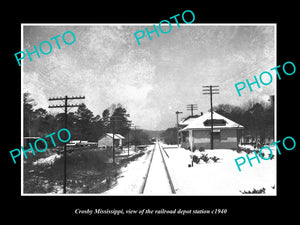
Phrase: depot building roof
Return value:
(204, 122)
(117, 136)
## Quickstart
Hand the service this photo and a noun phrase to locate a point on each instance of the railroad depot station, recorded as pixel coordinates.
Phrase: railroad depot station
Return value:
(195, 131)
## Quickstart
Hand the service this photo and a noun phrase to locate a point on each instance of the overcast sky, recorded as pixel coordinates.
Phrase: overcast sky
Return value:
(154, 79)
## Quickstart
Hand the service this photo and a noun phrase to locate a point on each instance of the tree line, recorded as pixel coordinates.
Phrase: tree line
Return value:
(256, 117)
(82, 123)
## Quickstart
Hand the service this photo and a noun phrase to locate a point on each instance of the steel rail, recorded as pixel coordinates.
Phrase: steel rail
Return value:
(167, 171)
(147, 173)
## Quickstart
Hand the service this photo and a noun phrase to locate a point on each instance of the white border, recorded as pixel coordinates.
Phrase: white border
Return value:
(145, 24)
(22, 115)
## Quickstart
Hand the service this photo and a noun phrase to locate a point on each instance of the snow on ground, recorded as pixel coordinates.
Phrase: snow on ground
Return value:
(250, 147)
(222, 177)
(47, 161)
(131, 177)
(124, 151)
(212, 178)
(157, 181)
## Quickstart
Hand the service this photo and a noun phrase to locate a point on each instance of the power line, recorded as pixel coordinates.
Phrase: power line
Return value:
(192, 107)
(211, 90)
(65, 106)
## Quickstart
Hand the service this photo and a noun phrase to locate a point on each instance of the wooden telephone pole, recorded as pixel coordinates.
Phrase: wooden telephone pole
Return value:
(129, 123)
(177, 112)
(192, 107)
(65, 106)
(114, 119)
(211, 90)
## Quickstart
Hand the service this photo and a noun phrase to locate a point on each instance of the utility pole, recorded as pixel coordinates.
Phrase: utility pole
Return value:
(135, 139)
(65, 106)
(114, 119)
(192, 107)
(128, 144)
(211, 90)
(177, 112)
(129, 123)
(131, 127)
(113, 140)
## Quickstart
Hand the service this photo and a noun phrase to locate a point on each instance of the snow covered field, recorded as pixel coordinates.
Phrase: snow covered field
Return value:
(211, 178)
(222, 177)
(131, 178)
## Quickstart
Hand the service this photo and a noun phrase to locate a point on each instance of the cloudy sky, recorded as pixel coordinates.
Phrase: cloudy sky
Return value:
(151, 80)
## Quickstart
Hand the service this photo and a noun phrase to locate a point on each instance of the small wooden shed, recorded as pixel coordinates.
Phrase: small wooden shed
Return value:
(106, 140)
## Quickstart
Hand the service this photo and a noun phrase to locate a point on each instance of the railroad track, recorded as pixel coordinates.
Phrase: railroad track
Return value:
(166, 169)
(157, 179)
(147, 173)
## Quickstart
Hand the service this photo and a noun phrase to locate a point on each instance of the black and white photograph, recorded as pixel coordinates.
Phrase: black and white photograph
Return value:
(127, 112)
(170, 109)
